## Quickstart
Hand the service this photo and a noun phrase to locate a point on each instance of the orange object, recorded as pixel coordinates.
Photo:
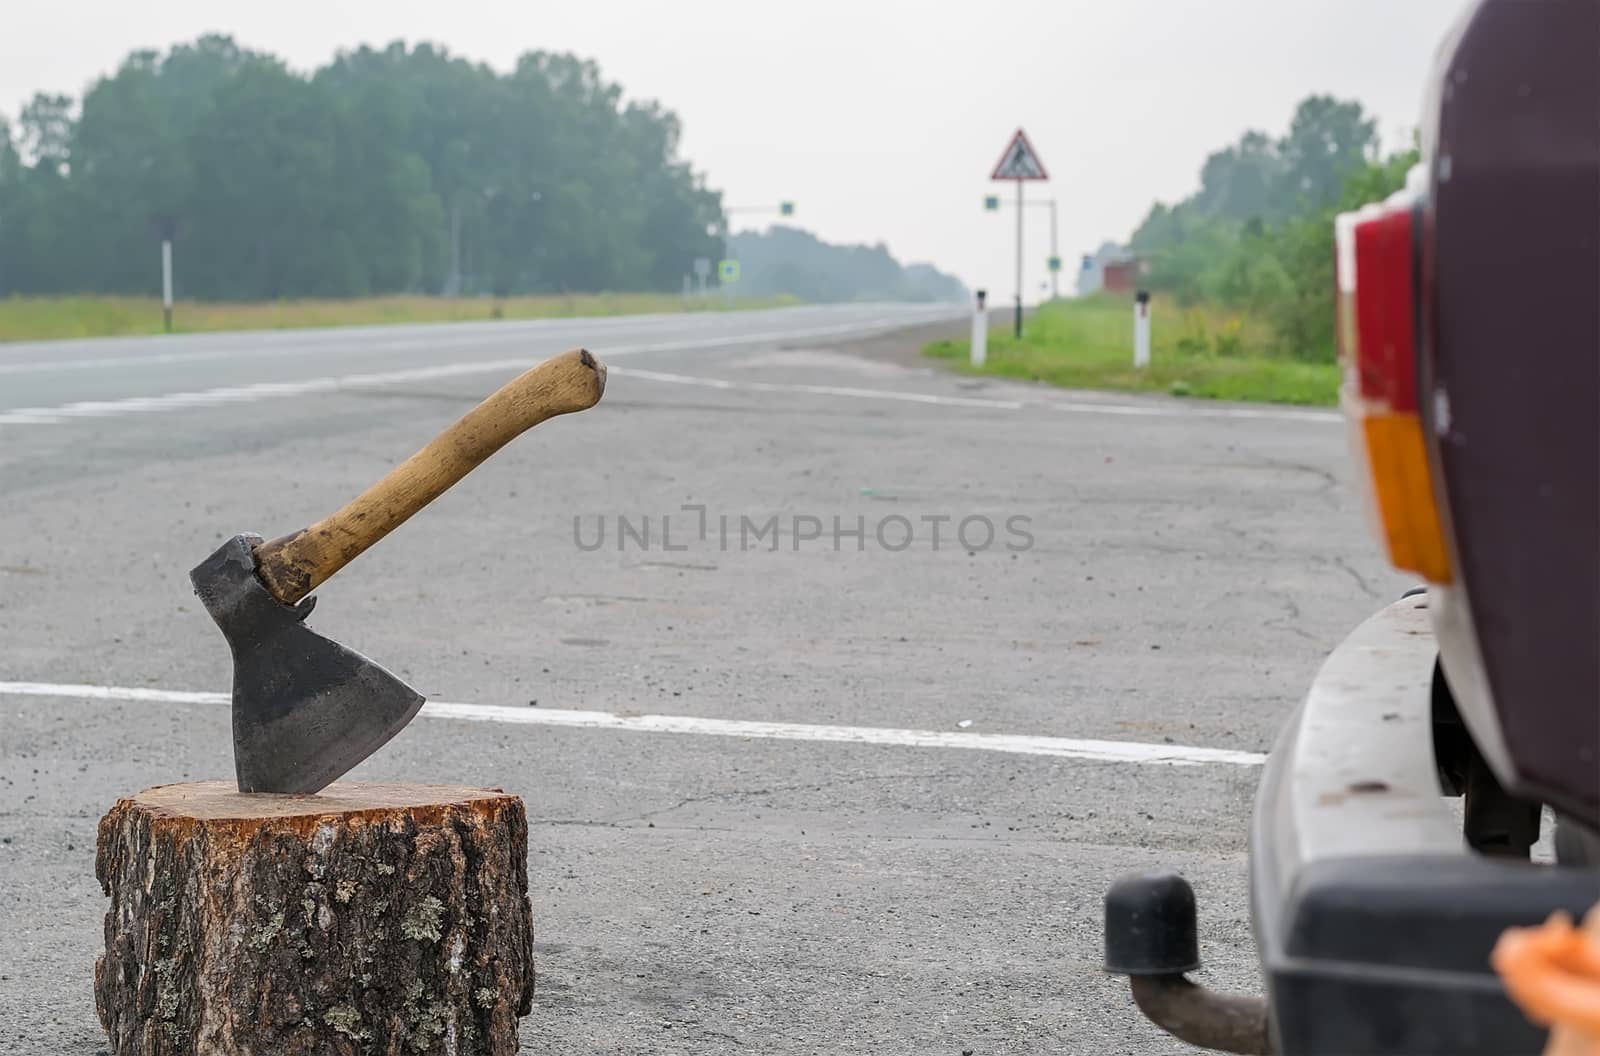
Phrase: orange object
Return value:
(1402, 493)
(1552, 972)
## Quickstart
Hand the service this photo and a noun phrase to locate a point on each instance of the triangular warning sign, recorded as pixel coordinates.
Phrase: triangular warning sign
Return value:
(1020, 161)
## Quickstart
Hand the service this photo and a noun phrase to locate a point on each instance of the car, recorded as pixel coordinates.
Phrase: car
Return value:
(1469, 330)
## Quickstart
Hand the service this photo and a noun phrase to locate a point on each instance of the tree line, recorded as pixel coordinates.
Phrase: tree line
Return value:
(1257, 236)
(786, 260)
(402, 169)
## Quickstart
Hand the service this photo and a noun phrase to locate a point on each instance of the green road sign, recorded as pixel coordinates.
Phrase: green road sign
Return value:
(1055, 263)
(728, 271)
(785, 208)
(991, 202)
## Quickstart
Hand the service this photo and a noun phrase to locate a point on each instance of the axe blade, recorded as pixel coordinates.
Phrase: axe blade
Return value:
(305, 709)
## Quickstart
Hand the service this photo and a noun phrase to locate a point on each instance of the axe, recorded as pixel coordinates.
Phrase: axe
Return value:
(306, 709)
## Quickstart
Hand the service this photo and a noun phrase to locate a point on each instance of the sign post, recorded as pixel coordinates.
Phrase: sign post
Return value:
(166, 283)
(1055, 256)
(1017, 328)
(1020, 163)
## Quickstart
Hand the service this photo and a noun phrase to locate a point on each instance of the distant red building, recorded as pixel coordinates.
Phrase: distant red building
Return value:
(1111, 269)
(1120, 276)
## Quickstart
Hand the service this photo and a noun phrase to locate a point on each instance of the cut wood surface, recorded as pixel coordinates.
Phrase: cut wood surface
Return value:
(369, 918)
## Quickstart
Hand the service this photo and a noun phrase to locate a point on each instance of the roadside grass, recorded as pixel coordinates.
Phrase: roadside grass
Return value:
(1202, 352)
(49, 318)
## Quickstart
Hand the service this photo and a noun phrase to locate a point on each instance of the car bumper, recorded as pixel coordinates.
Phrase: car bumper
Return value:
(1373, 919)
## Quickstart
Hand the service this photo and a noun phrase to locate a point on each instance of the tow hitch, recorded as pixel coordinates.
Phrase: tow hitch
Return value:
(1151, 938)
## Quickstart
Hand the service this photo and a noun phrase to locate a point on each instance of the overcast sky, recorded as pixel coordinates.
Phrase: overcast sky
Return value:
(881, 119)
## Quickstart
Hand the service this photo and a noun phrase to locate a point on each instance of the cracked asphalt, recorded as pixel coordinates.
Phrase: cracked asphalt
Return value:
(695, 894)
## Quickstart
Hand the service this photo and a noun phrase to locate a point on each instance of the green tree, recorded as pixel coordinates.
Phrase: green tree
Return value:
(787, 260)
(1303, 315)
(448, 114)
(10, 196)
(678, 212)
(393, 169)
(133, 173)
(46, 124)
(40, 251)
(1243, 181)
(262, 221)
(1258, 234)
(1250, 276)
(1327, 141)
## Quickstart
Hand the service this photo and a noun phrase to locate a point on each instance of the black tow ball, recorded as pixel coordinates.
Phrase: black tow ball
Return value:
(1151, 938)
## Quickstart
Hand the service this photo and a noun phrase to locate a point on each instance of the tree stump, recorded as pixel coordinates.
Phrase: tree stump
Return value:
(367, 919)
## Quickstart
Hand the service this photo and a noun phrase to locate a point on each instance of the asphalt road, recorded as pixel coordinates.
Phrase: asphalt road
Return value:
(1185, 567)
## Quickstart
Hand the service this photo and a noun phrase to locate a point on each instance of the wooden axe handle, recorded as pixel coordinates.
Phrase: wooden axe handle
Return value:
(293, 566)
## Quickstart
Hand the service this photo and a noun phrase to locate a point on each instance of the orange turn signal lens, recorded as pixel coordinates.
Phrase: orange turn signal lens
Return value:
(1402, 492)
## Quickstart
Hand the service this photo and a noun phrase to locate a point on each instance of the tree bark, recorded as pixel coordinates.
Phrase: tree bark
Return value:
(367, 919)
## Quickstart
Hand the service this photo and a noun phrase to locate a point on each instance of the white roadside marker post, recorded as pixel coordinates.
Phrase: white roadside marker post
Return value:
(980, 331)
(1141, 329)
(166, 283)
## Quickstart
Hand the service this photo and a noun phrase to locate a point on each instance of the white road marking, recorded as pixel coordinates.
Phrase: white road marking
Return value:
(820, 390)
(174, 401)
(251, 393)
(278, 343)
(1013, 744)
(271, 351)
(1150, 410)
(1069, 406)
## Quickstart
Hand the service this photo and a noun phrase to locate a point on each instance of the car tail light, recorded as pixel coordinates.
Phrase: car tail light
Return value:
(1378, 326)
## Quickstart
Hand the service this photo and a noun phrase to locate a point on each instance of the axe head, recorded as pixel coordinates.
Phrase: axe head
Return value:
(305, 709)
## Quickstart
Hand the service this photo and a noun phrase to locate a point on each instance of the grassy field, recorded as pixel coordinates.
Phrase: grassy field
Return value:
(1088, 344)
(47, 318)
